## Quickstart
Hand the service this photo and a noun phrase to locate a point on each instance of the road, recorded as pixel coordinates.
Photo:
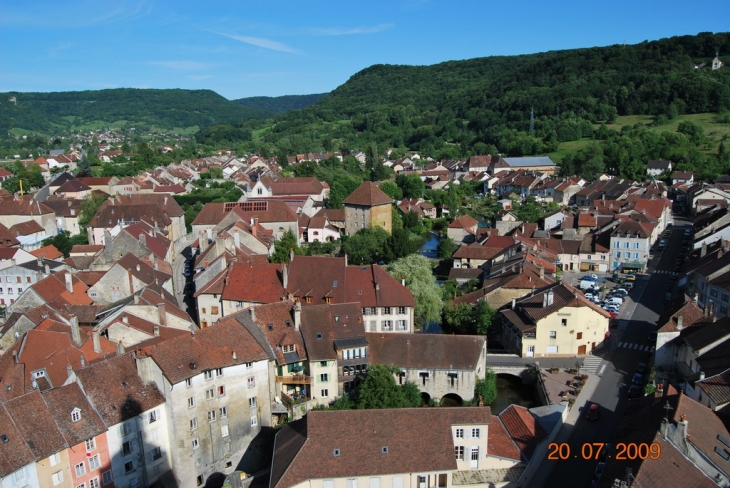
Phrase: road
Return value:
(621, 356)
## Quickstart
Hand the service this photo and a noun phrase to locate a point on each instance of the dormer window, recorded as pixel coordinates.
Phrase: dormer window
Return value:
(76, 415)
(288, 348)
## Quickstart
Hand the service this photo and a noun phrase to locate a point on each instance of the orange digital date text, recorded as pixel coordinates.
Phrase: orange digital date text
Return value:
(625, 451)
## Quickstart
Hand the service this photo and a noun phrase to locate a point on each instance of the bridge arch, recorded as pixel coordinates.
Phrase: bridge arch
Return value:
(451, 400)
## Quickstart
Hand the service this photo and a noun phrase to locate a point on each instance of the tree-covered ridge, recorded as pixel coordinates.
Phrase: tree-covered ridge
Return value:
(162, 108)
(458, 108)
(280, 105)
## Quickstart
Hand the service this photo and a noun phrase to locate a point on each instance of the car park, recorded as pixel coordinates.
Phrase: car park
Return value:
(594, 411)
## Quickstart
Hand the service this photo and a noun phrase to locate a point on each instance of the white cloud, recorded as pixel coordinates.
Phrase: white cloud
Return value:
(265, 43)
(339, 31)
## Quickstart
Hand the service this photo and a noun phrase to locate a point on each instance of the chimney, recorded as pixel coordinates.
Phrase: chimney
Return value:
(69, 283)
(233, 355)
(544, 300)
(97, 341)
(16, 358)
(47, 269)
(550, 298)
(136, 299)
(297, 315)
(285, 275)
(154, 262)
(83, 361)
(682, 428)
(702, 375)
(164, 200)
(125, 319)
(156, 330)
(345, 260)
(236, 239)
(75, 331)
(120, 348)
(137, 267)
(703, 251)
(253, 313)
(514, 303)
(251, 222)
(143, 240)
(542, 273)
(403, 281)
(163, 315)
(694, 298)
(680, 326)
(291, 254)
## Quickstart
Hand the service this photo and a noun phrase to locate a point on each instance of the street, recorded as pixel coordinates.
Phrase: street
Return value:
(625, 349)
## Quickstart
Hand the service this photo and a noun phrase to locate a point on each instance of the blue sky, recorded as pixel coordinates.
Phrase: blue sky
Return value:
(271, 47)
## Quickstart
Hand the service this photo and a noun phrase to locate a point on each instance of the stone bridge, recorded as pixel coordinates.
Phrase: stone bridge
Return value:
(514, 369)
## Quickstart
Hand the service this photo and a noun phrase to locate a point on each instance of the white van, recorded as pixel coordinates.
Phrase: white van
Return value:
(587, 283)
(616, 300)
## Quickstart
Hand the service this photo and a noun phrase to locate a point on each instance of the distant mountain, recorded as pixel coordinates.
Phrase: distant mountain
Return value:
(47, 112)
(280, 105)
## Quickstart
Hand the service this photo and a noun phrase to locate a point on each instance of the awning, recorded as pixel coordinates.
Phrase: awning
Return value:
(298, 368)
(632, 266)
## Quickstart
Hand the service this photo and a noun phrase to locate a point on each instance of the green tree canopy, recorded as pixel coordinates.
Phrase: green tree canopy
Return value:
(283, 246)
(487, 387)
(379, 390)
(417, 272)
(367, 246)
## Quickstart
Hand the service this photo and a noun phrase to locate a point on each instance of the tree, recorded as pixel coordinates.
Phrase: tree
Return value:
(458, 318)
(83, 168)
(487, 387)
(400, 244)
(367, 246)
(411, 184)
(216, 172)
(379, 390)
(446, 248)
(61, 242)
(283, 246)
(88, 209)
(392, 190)
(416, 270)
(483, 317)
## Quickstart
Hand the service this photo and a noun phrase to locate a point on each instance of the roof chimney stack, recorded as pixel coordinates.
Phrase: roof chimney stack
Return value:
(680, 326)
(162, 314)
(120, 348)
(345, 259)
(252, 312)
(156, 330)
(514, 303)
(75, 330)
(544, 300)
(97, 341)
(69, 283)
(236, 239)
(285, 275)
(297, 315)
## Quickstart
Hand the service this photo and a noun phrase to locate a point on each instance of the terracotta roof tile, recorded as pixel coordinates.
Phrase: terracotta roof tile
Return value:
(61, 402)
(367, 194)
(431, 351)
(523, 429)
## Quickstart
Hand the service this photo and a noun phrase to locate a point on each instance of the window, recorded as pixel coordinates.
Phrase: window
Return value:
(156, 453)
(191, 402)
(387, 325)
(219, 372)
(252, 402)
(373, 326)
(95, 462)
(7, 279)
(27, 279)
(211, 415)
(90, 444)
(80, 469)
(627, 245)
(553, 334)
(725, 297)
(55, 459)
(195, 443)
(323, 364)
(125, 429)
(459, 433)
(627, 255)
(154, 436)
(324, 377)
(76, 415)
(459, 451)
(579, 335)
(20, 290)
(617, 254)
(214, 310)
(82, 485)
(188, 383)
(223, 412)
(563, 322)
(475, 454)
(224, 431)
(221, 390)
(209, 394)
(203, 310)
(401, 310)
(400, 325)
(129, 467)
(476, 433)
(352, 483)
(249, 365)
(289, 348)
(254, 421)
(324, 393)
(251, 381)
(199, 480)
(636, 255)
(208, 374)
(637, 245)
(723, 310)
(713, 292)
(106, 477)
(387, 310)
(194, 423)
(368, 311)
(153, 416)
(57, 478)
(127, 448)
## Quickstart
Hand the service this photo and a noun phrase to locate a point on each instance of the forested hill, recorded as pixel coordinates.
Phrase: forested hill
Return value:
(460, 107)
(50, 112)
(280, 105)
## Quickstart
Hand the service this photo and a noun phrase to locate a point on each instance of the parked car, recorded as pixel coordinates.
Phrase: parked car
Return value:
(629, 277)
(638, 379)
(628, 285)
(641, 368)
(614, 299)
(594, 411)
(619, 292)
(635, 391)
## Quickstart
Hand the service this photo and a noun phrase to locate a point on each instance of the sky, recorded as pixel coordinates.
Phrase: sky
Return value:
(247, 48)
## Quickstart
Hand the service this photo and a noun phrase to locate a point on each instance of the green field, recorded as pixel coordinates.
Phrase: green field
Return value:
(715, 131)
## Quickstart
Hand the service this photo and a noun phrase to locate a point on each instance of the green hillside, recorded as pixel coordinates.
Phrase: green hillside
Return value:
(51, 112)
(279, 105)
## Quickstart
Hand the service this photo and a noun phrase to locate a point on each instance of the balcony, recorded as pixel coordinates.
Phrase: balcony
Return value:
(353, 362)
(297, 379)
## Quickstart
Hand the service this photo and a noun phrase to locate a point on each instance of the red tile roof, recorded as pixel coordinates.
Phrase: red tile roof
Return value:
(259, 282)
(49, 252)
(367, 194)
(523, 428)
(429, 351)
